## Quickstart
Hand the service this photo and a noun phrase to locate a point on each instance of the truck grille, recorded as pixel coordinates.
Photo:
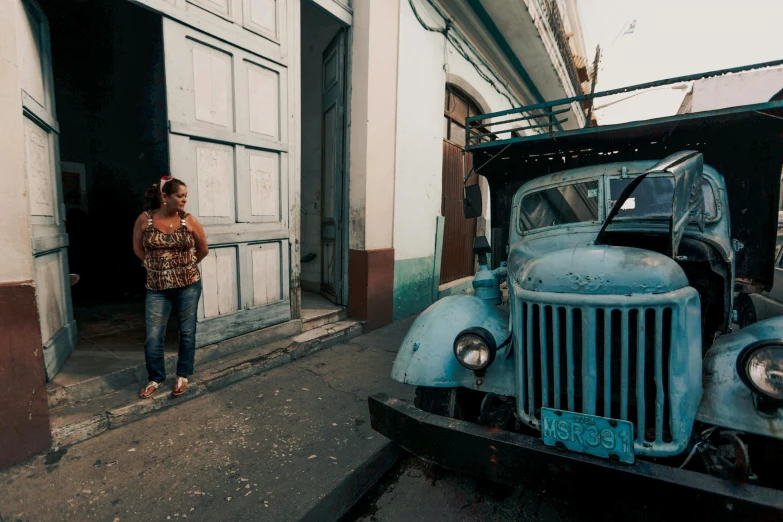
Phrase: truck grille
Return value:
(610, 358)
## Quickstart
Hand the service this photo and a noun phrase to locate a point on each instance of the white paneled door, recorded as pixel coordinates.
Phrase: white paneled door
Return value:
(42, 167)
(228, 139)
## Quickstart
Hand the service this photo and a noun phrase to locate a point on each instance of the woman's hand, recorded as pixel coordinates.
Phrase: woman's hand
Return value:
(198, 234)
(138, 235)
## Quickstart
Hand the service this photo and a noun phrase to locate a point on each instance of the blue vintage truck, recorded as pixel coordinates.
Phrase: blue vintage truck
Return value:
(623, 249)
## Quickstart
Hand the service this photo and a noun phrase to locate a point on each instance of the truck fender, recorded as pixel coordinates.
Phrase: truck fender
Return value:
(727, 401)
(426, 355)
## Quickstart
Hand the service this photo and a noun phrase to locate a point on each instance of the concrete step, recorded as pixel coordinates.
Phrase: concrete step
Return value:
(77, 420)
(322, 318)
(136, 374)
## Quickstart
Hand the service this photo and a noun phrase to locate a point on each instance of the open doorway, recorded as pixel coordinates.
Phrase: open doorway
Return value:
(324, 169)
(109, 83)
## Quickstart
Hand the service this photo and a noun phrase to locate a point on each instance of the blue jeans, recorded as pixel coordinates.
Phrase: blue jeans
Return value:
(158, 307)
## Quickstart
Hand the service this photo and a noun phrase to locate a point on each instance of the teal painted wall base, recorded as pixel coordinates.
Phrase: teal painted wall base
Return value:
(413, 281)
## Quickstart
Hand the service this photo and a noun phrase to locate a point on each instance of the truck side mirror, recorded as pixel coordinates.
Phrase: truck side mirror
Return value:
(471, 201)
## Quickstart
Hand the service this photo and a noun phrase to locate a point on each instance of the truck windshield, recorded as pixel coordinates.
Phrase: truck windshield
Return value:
(652, 199)
(579, 202)
(573, 203)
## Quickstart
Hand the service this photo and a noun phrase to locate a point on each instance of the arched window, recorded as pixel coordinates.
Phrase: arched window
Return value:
(458, 107)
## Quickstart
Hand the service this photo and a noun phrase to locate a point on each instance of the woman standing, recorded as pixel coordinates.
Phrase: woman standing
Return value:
(170, 242)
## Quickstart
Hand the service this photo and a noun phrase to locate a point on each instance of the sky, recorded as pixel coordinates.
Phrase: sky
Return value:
(674, 38)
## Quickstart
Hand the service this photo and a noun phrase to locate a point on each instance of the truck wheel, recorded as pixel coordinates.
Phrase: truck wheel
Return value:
(438, 401)
(746, 312)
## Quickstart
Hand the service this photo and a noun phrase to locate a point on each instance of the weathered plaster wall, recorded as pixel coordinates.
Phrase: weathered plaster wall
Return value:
(24, 417)
(373, 118)
(318, 29)
(17, 264)
(427, 62)
(413, 285)
(420, 87)
(373, 123)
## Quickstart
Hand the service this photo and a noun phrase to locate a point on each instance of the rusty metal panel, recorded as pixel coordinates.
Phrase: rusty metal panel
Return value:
(458, 233)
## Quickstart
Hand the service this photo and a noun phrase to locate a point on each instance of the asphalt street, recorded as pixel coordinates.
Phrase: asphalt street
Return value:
(418, 491)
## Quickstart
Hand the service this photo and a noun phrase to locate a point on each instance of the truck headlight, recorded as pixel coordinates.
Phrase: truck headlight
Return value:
(761, 367)
(474, 348)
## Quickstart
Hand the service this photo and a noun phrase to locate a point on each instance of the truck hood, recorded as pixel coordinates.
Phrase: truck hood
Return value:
(595, 270)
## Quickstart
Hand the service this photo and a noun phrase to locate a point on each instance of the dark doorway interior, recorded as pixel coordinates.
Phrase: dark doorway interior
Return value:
(111, 105)
(110, 100)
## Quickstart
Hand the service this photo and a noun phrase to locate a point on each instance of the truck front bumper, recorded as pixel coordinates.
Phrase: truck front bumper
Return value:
(504, 456)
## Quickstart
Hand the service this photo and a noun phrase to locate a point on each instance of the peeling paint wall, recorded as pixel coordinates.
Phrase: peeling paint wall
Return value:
(412, 285)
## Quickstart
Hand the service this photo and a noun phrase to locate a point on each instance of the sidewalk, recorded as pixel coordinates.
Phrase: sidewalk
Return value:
(277, 446)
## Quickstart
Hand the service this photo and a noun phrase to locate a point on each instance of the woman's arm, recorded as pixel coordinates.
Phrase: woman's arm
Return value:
(138, 235)
(198, 234)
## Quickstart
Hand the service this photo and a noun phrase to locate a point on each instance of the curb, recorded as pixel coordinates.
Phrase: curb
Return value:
(79, 431)
(212, 380)
(347, 493)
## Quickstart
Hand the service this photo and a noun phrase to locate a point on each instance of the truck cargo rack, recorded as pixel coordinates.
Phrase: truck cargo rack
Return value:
(546, 119)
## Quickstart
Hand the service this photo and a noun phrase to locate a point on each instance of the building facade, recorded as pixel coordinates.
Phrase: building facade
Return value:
(322, 143)
(479, 57)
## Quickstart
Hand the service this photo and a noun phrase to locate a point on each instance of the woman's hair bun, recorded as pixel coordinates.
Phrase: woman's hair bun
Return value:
(152, 195)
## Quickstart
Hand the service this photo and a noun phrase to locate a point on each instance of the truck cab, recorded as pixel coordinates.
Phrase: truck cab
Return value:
(633, 314)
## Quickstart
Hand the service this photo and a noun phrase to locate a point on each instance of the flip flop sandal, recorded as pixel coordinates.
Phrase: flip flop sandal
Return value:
(151, 388)
(180, 385)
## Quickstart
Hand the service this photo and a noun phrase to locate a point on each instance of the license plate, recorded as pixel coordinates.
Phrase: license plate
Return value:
(599, 436)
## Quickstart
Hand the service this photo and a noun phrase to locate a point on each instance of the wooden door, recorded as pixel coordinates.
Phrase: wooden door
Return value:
(47, 208)
(332, 133)
(227, 103)
(458, 232)
(458, 260)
